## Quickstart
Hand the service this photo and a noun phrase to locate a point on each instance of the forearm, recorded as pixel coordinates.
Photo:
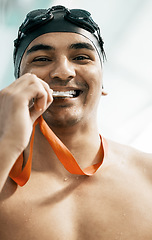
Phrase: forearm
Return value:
(8, 155)
(17, 118)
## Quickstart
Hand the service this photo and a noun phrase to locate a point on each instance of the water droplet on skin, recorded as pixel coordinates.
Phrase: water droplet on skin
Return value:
(65, 179)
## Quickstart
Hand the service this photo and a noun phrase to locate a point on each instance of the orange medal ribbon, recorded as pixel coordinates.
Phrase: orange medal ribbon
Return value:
(21, 176)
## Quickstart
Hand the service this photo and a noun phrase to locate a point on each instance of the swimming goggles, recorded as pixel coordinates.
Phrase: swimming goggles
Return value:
(79, 17)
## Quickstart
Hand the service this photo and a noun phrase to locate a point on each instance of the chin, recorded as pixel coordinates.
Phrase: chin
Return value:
(61, 121)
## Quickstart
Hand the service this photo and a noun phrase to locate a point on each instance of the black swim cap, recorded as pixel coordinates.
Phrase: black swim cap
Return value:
(55, 19)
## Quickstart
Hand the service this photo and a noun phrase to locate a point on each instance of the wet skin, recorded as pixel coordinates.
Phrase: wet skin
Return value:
(115, 203)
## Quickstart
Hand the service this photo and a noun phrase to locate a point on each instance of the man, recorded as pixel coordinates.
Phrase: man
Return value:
(58, 65)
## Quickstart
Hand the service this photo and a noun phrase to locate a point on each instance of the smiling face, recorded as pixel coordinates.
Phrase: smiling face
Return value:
(69, 63)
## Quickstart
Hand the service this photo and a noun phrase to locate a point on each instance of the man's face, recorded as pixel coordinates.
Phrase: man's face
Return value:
(67, 62)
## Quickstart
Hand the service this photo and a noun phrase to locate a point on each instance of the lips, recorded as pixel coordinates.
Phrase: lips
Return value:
(66, 94)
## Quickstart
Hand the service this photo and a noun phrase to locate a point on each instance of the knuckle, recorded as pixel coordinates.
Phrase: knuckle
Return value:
(44, 93)
(6, 92)
(30, 78)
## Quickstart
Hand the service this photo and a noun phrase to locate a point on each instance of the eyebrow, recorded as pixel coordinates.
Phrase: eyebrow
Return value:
(39, 47)
(44, 47)
(82, 45)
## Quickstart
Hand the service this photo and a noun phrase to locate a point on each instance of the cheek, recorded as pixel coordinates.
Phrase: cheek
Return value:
(93, 77)
(27, 68)
(40, 73)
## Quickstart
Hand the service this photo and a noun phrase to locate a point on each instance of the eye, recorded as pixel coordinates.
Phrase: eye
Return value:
(81, 58)
(41, 59)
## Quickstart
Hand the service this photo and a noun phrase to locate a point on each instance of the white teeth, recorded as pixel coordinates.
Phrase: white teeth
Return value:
(70, 93)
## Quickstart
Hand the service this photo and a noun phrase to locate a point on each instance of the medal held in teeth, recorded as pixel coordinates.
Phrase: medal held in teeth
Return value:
(61, 94)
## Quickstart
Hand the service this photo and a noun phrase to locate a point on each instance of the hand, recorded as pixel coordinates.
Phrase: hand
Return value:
(16, 115)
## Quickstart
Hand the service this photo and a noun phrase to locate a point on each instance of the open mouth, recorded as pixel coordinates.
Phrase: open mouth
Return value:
(66, 94)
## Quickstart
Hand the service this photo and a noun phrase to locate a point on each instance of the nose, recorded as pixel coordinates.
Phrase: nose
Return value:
(63, 69)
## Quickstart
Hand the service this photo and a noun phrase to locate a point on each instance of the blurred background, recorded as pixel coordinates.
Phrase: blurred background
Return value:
(125, 115)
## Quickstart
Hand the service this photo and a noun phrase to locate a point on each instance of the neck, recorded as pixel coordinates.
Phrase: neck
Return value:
(84, 144)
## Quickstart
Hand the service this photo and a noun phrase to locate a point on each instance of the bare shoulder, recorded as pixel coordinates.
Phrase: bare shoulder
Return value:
(133, 158)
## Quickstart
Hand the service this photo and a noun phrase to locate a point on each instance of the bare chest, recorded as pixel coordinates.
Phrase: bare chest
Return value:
(81, 209)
